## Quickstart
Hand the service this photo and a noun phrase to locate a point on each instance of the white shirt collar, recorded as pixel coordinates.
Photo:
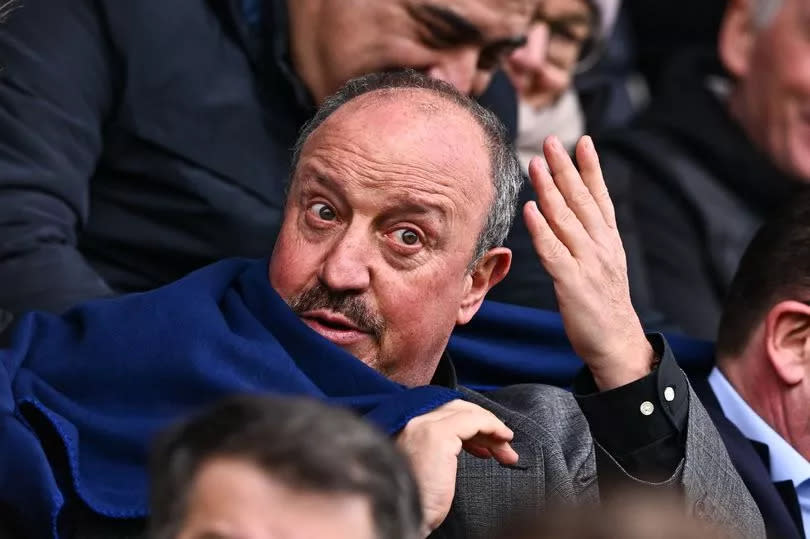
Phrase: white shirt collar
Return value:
(786, 462)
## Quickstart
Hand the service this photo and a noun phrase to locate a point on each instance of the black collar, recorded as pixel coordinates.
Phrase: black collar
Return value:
(445, 374)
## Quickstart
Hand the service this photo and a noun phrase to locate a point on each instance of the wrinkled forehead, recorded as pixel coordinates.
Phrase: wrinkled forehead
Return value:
(395, 134)
(493, 16)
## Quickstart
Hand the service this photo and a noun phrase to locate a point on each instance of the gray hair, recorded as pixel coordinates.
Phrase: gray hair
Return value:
(764, 11)
(507, 177)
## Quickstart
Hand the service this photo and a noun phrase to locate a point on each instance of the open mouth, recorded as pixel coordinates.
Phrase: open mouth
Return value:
(332, 324)
(335, 327)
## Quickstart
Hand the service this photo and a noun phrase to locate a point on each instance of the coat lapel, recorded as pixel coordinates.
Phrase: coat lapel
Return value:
(781, 520)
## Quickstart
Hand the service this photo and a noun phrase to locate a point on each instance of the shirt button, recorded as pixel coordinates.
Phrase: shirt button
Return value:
(669, 394)
(647, 408)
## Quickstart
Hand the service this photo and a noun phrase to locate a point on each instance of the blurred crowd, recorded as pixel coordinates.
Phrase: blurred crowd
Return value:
(656, 155)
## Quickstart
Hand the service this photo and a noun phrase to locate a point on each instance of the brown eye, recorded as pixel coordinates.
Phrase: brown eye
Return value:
(407, 236)
(323, 211)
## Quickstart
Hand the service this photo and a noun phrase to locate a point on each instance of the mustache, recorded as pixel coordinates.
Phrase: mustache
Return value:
(349, 305)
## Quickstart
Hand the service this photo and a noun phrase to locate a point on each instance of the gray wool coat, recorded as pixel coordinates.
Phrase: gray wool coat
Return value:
(558, 463)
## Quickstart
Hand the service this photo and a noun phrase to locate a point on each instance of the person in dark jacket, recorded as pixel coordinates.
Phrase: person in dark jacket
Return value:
(723, 146)
(142, 140)
(759, 394)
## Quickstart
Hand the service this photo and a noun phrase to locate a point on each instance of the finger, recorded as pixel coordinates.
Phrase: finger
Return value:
(554, 256)
(576, 194)
(560, 218)
(500, 451)
(591, 171)
(456, 407)
(505, 454)
(477, 451)
(481, 423)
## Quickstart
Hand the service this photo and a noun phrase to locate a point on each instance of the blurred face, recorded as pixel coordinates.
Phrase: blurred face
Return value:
(458, 41)
(380, 225)
(231, 499)
(772, 97)
(543, 69)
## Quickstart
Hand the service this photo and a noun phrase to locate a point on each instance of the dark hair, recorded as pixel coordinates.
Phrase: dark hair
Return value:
(507, 177)
(774, 268)
(300, 442)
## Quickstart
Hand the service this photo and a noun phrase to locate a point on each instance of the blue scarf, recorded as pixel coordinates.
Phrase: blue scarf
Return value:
(82, 395)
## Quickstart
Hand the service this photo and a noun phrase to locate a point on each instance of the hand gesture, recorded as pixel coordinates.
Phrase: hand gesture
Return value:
(575, 235)
(432, 443)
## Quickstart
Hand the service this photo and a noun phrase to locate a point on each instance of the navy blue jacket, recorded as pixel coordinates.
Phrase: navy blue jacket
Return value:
(778, 503)
(140, 141)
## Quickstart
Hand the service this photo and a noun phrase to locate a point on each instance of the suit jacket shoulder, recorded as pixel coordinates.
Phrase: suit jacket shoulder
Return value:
(558, 464)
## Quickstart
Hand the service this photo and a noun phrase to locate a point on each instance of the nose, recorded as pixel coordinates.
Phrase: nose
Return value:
(532, 56)
(458, 67)
(346, 266)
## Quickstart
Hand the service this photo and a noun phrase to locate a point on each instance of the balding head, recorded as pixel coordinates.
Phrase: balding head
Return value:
(504, 169)
(402, 191)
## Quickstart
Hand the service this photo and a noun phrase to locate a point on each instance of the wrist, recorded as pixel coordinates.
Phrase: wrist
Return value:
(629, 365)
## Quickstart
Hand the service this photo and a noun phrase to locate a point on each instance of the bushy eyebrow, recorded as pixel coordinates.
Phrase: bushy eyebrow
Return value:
(462, 28)
(454, 29)
(402, 205)
(396, 203)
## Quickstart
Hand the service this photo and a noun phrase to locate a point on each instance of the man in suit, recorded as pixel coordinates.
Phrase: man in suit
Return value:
(402, 193)
(759, 393)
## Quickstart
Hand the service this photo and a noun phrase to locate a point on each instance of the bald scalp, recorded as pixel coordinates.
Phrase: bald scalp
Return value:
(504, 166)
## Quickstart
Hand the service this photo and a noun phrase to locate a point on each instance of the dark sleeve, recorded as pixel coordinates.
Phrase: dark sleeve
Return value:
(641, 425)
(678, 274)
(55, 91)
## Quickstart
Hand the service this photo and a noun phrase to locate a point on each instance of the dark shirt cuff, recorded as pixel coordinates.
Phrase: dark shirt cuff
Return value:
(641, 424)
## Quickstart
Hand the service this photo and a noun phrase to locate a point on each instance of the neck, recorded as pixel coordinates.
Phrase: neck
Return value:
(784, 408)
(304, 16)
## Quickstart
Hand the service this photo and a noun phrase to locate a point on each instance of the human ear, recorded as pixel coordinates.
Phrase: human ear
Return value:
(489, 271)
(736, 38)
(787, 340)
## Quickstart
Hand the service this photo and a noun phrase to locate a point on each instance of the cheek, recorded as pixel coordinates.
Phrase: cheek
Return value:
(423, 306)
(293, 263)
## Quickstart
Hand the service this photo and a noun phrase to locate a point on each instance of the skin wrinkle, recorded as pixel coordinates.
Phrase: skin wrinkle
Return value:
(327, 48)
(403, 186)
(354, 253)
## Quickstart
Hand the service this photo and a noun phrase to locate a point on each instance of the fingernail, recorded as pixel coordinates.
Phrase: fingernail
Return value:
(535, 209)
(555, 143)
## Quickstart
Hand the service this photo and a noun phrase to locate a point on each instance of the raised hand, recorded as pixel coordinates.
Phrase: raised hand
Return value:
(575, 235)
(432, 443)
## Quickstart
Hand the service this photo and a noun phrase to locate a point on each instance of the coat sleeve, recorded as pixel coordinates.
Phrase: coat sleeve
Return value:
(55, 91)
(714, 490)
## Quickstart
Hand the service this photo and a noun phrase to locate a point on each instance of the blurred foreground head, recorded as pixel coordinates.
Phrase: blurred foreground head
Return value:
(627, 514)
(258, 467)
